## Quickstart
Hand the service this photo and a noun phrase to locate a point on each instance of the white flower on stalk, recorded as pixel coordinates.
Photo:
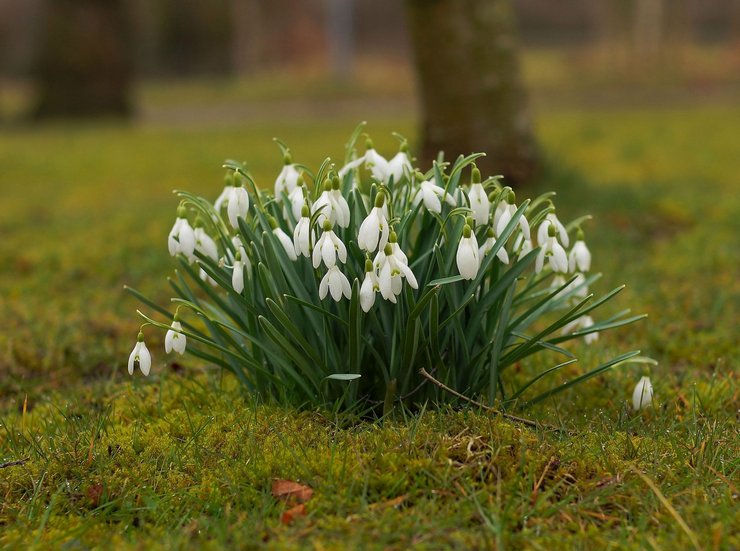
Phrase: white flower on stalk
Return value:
(468, 260)
(642, 396)
(206, 246)
(579, 257)
(336, 283)
(296, 200)
(377, 164)
(523, 245)
(580, 324)
(181, 238)
(340, 204)
(328, 248)
(551, 220)
(369, 287)
(287, 180)
(302, 234)
(285, 241)
(432, 195)
(505, 211)
(140, 356)
(237, 275)
(374, 230)
(488, 246)
(332, 205)
(391, 266)
(228, 186)
(479, 202)
(554, 251)
(400, 164)
(238, 204)
(174, 339)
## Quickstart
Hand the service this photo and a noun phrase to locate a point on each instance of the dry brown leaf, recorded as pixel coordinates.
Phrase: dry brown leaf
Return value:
(389, 504)
(289, 490)
(294, 512)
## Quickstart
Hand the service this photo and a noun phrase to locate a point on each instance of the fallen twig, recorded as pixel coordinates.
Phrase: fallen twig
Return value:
(528, 422)
(15, 463)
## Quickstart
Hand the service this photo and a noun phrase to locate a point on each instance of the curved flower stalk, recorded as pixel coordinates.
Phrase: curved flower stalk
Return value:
(448, 305)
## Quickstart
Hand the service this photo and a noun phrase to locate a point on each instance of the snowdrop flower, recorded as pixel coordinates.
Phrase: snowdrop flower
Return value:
(228, 186)
(551, 220)
(579, 324)
(302, 234)
(578, 287)
(391, 265)
(579, 257)
(642, 396)
(479, 203)
(237, 204)
(431, 195)
(374, 230)
(287, 180)
(285, 241)
(369, 287)
(523, 245)
(237, 275)
(340, 203)
(488, 245)
(140, 356)
(204, 244)
(554, 251)
(400, 163)
(328, 247)
(377, 164)
(505, 210)
(175, 339)
(296, 200)
(336, 283)
(181, 238)
(468, 260)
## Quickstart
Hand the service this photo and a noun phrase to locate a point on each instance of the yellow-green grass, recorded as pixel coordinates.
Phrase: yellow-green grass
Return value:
(182, 458)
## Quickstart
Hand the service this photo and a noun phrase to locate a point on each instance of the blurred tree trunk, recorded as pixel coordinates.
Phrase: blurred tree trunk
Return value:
(83, 66)
(341, 38)
(648, 30)
(247, 36)
(472, 96)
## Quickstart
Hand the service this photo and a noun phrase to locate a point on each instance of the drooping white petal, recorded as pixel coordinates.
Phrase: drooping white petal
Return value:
(398, 164)
(174, 339)
(642, 396)
(385, 283)
(408, 274)
(238, 206)
(316, 255)
(324, 286)
(286, 243)
(205, 244)
(145, 359)
(286, 181)
(369, 233)
(328, 251)
(351, 165)
(339, 247)
(302, 237)
(479, 203)
(467, 257)
(367, 291)
(237, 277)
(378, 165)
(133, 358)
(579, 257)
(341, 208)
(221, 199)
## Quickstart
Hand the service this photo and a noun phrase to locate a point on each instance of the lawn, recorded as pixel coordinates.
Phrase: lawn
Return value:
(183, 458)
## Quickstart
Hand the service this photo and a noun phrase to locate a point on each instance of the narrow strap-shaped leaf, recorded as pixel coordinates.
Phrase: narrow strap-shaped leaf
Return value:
(533, 380)
(355, 329)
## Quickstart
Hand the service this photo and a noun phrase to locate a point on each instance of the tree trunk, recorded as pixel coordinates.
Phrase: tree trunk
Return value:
(84, 63)
(470, 85)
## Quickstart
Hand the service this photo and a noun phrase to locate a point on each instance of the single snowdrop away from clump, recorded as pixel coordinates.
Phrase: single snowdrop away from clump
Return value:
(642, 396)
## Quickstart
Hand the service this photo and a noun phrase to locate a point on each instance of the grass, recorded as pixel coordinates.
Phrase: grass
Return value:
(182, 459)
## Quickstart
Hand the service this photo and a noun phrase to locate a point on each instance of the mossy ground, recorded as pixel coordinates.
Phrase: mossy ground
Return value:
(183, 459)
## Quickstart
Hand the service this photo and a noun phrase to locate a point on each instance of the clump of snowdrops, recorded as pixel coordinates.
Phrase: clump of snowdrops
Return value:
(337, 287)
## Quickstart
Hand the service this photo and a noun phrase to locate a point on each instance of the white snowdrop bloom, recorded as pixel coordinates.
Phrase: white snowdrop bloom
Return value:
(391, 268)
(555, 252)
(328, 248)
(175, 339)
(642, 396)
(341, 207)
(302, 235)
(374, 230)
(239, 247)
(558, 281)
(285, 241)
(578, 286)
(182, 237)
(505, 210)
(287, 180)
(479, 202)
(237, 275)
(325, 206)
(488, 245)
(336, 283)
(543, 231)
(468, 260)
(140, 356)
(579, 257)
(296, 200)
(238, 205)
(372, 160)
(579, 324)
(228, 186)
(204, 243)
(399, 165)
(524, 247)
(369, 287)
(432, 196)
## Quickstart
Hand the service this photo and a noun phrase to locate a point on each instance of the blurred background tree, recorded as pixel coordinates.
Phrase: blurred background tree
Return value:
(470, 85)
(84, 63)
